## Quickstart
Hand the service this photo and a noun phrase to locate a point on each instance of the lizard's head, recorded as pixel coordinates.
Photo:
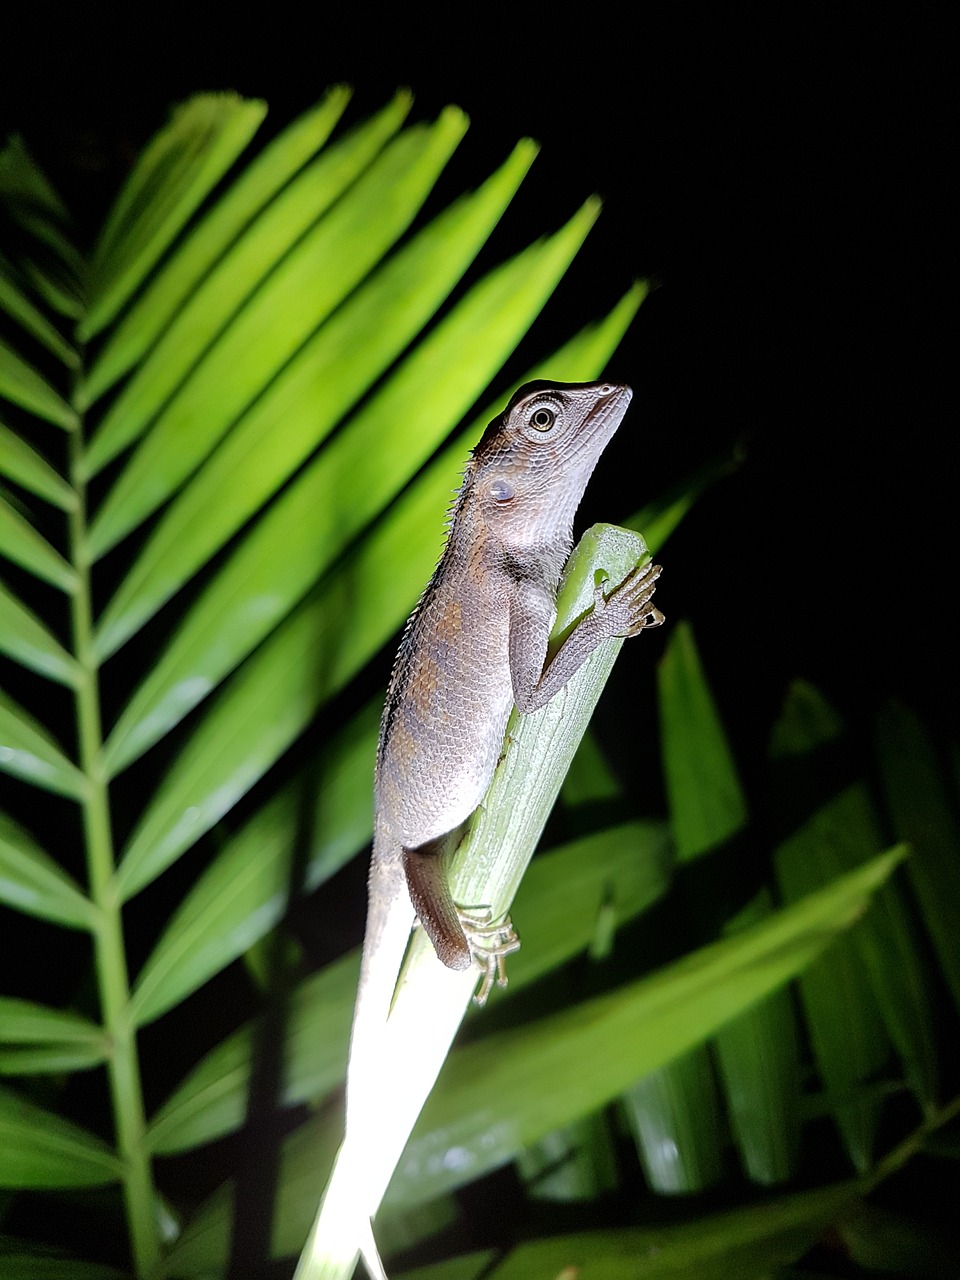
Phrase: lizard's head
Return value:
(534, 461)
(569, 416)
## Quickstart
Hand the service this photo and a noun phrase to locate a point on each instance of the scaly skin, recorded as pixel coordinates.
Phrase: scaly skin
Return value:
(476, 645)
(477, 642)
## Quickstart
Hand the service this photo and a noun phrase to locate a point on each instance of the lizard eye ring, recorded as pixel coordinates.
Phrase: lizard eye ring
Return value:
(542, 419)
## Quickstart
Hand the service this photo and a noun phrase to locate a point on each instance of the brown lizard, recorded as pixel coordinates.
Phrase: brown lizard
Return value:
(475, 645)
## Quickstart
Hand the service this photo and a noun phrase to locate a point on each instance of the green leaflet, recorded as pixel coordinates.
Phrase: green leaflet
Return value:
(25, 1022)
(214, 300)
(21, 384)
(674, 1112)
(746, 1243)
(21, 543)
(758, 1057)
(921, 812)
(21, 308)
(575, 1163)
(54, 269)
(18, 1262)
(31, 881)
(21, 463)
(24, 638)
(179, 277)
(307, 285)
(28, 751)
(874, 987)
(46, 1040)
(52, 1059)
(24, 187)
(706, 803)
(38, 1149)
(847, 1034)
(674, 1116)
(173, 175)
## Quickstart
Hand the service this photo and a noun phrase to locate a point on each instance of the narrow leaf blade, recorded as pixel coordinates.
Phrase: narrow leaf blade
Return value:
(706, 801)
(847, 831)
(31, 881)
(20, 1261)
(922, 814)
(759, 1061)
(21, 543)
(25, 639)
(27, 468)
(232, 283)
(152, 311)
(172, 176)
(28, 751)
(21, 384)
(674, 1115)
(749, 1244)
(846, 1031)
(308, 284)
(31, 319)
(52, 1059)
(327, 816)
(26, 1022)
(39, 1149)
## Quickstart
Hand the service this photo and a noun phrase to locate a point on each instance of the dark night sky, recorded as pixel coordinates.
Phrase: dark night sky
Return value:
(786, 180)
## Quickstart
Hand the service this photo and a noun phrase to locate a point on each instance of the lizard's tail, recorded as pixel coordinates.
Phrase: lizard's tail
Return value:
(389, 921)
(343, 1225)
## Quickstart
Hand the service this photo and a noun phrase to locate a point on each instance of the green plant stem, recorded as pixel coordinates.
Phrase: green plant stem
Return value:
(122, 1065)
(904, 1151)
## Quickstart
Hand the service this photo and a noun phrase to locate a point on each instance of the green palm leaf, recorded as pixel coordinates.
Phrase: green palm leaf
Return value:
(243, 332)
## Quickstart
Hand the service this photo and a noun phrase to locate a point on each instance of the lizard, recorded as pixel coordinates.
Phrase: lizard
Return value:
(476, 645)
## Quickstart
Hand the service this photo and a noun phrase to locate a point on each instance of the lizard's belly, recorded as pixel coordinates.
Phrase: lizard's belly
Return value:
(443, 732)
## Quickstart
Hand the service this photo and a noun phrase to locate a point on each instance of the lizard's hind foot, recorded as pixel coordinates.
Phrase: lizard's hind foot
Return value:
(490, 943)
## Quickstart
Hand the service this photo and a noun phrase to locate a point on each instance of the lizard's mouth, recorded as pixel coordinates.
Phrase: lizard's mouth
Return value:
(606, 416)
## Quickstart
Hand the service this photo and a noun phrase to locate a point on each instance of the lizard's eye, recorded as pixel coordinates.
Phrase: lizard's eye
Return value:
(542, 419)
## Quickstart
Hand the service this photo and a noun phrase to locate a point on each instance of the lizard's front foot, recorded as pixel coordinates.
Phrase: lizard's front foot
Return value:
(627, 610)
(490, 944)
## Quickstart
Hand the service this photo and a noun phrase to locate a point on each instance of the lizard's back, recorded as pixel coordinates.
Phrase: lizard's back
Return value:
(448, 703)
